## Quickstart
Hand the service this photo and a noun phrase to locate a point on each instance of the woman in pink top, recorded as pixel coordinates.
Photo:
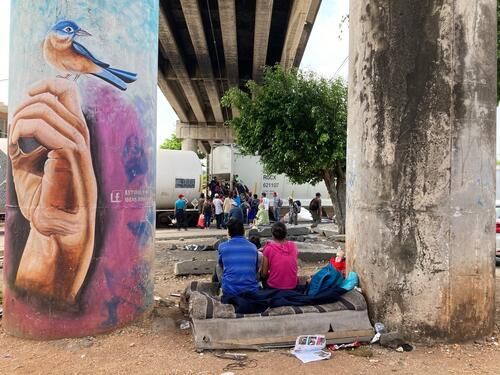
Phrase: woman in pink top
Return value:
(279, 265)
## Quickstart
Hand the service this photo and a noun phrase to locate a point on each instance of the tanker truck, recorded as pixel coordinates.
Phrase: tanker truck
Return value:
(177, 172)
(228, 164)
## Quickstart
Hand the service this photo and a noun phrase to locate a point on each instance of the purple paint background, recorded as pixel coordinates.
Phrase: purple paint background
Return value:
(119, 284)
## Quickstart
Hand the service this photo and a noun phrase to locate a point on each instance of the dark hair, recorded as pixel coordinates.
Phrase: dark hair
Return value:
(279, 230)
(318, 194)
(255, 196)
(235, 227)
(256, 241)
(263, 194)
(202, 195)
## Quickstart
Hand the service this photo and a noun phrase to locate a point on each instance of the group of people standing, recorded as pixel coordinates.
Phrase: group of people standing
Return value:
(245, 206)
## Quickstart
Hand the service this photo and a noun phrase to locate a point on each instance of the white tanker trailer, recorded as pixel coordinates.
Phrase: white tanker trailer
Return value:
(177, 172)
(227, 164)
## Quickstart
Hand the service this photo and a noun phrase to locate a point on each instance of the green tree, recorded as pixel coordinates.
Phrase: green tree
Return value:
(297, 123)
(172, 143)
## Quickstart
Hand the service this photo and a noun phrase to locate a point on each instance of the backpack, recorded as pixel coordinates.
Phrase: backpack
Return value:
(313, 205)
(326, 278)
(297, 205)
(280, 203)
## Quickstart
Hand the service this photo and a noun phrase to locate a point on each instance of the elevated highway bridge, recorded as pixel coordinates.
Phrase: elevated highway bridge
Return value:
(208, 46)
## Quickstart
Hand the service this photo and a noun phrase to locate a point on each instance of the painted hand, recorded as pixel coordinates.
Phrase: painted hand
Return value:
(56, 190)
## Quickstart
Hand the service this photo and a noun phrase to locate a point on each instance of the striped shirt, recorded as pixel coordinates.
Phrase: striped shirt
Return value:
(238, 258)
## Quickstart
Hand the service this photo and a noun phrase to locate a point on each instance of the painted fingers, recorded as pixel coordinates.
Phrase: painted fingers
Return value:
(66, 92)
(50, 121)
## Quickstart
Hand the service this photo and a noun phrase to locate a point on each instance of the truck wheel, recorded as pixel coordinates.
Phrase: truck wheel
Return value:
(163, 220)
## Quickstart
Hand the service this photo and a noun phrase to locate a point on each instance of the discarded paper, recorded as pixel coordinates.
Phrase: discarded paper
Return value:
(310, 348)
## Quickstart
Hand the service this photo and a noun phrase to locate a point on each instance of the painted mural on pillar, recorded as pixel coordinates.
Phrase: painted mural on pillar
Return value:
(80, 213)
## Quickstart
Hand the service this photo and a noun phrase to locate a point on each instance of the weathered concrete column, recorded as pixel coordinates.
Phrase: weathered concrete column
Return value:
(421, 163)
(190, 144)
(82, 136)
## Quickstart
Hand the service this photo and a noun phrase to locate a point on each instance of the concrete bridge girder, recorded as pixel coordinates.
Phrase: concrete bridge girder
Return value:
(206, 48)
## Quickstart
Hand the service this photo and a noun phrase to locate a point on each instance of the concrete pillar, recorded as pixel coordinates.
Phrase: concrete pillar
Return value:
(421, 164)
(190, 144)
(82, 136)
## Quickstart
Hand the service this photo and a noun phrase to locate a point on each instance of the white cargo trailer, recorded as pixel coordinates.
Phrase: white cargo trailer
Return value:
(226, 162)
(177, 172)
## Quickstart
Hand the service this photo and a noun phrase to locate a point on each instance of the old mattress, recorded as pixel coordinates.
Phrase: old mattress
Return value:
(217, 326)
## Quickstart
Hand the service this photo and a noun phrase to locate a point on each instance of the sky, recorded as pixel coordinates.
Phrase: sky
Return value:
(323, 58)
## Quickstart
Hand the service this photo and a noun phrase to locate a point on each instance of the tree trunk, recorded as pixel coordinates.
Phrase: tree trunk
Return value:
(335, 183)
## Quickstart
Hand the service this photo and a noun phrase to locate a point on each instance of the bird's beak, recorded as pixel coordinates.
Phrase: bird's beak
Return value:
(82, 32)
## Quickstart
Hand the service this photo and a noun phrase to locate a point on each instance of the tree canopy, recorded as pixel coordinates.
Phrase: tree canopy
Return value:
(172, 143)
(297, 123)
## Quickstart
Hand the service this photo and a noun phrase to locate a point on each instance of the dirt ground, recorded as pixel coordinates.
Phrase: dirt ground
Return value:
(156, 345)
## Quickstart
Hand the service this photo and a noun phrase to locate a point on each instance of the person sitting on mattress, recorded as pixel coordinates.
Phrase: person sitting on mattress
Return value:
(239, 261)
(279, 265)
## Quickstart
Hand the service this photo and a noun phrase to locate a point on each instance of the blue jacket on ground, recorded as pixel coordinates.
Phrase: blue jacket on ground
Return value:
(238, 258)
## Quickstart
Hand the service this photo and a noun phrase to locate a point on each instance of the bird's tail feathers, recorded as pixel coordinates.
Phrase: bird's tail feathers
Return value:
(128, 77)
(111, 78)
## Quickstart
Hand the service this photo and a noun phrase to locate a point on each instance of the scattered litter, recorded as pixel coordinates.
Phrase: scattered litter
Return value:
(400, 349)
(312, 355)
(405, 347)
(82, 356)
(132, 344)
(227, 373)
(379, 329)
(311, 348)
(1, 312)
(241, 365)
(334, 347)
(185, 324)
(395, 340)
(162, 302)
(175, 294)
(194, 247)
(233, 356)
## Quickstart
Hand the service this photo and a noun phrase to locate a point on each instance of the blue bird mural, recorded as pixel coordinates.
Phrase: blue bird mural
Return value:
(66, 55)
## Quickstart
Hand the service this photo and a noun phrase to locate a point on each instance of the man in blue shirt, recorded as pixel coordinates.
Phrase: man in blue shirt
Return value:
(180, 212)
(236, 212)
(239, 260)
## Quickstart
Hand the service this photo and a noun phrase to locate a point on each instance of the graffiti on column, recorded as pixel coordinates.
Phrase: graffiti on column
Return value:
(55, 183)
(81, 146)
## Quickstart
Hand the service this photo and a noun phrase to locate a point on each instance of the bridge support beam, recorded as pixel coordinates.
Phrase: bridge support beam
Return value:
(213, 133)
(190, 144)
(421, 164)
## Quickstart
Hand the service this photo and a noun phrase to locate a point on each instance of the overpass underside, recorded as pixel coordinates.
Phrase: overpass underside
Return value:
(208, 46)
